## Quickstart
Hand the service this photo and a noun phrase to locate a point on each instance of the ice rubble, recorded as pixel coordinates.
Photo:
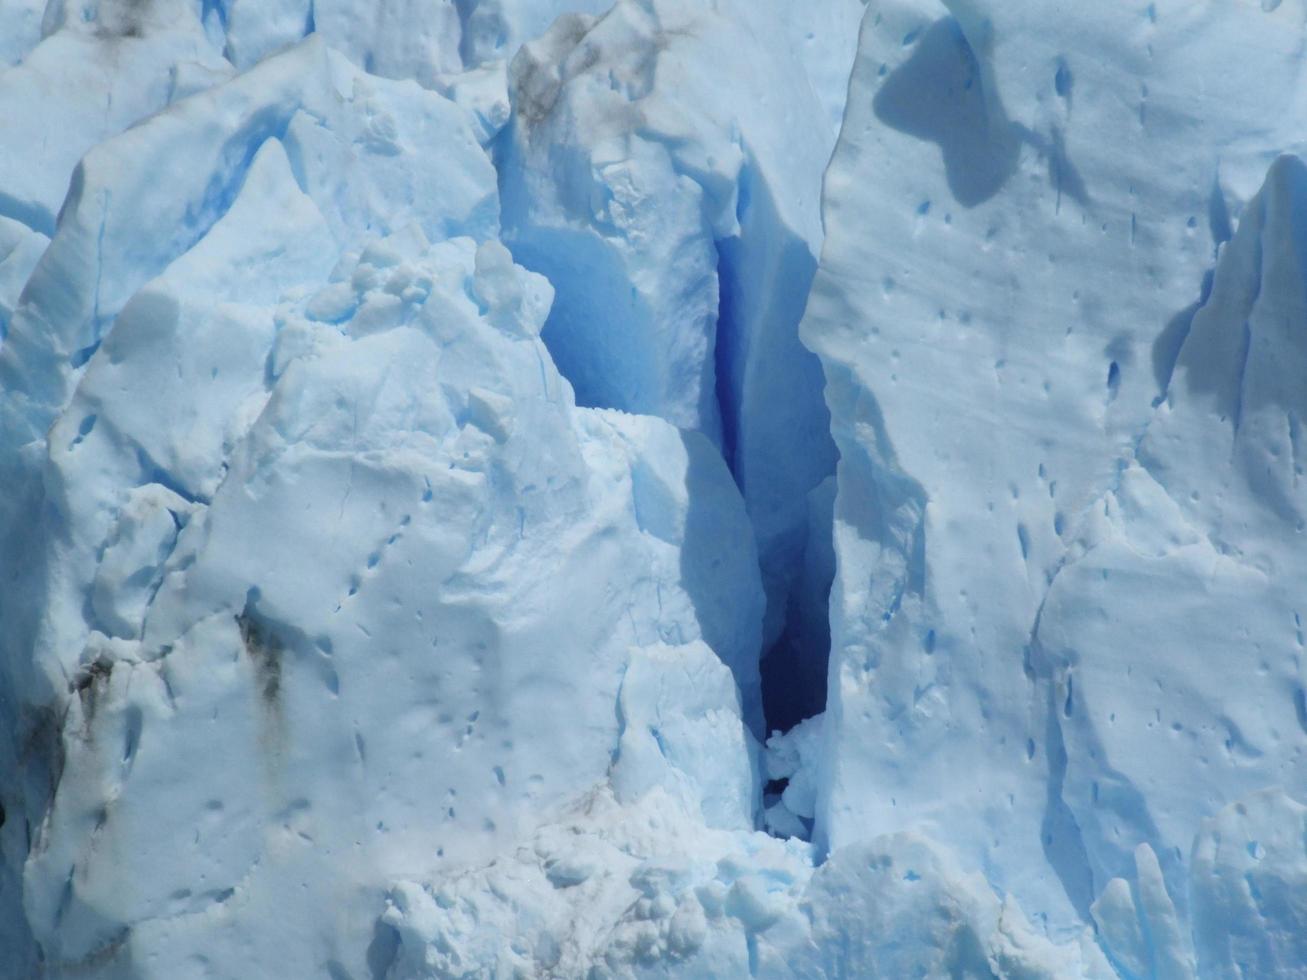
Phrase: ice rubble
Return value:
(338, 636)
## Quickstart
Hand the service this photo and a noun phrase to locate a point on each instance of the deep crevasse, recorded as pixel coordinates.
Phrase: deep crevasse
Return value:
(680, 227)
(338, 637)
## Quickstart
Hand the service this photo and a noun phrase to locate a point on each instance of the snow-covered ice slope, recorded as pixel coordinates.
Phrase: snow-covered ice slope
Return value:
(429, 430)
(1068, 513)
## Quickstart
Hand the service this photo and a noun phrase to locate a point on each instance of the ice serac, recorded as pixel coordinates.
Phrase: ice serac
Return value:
(661, 167)
(1067, 501)
(431, 464)
(317, 625)
(78, 76)
(336, 150)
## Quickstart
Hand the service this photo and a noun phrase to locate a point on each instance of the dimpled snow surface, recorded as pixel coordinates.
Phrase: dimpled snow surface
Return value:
(653, 489)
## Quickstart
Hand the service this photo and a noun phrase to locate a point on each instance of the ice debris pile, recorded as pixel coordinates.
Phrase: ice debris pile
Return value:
(652, 489)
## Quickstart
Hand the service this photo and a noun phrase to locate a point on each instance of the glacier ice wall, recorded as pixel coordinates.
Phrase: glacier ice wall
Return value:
(441, 440)
(1067, 494)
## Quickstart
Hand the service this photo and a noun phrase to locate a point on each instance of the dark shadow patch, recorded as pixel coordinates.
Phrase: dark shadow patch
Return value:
(1246, 347)
(794, 679)
(727, 343)
(383, 950)
(795, 669)
(1060, 835)
(599, 329)
(707, 547)
(1062, 173)
(89, 684)
(1216, 350)
(769, 391)
(1120, 355)
(1218, 215)
(125, 19)
(41, 749)
(1167, 346)
(939, 94)
(1063, 81)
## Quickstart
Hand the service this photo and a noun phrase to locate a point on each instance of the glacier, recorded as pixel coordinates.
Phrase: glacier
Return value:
(652, 488)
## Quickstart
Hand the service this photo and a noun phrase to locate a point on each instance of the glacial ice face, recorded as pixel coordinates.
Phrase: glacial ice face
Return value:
(1202, 530)
(339, 640)
(1067, 513)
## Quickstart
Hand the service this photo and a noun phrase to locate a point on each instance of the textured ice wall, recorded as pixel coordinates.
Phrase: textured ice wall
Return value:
(337, 640)
(1068, 513)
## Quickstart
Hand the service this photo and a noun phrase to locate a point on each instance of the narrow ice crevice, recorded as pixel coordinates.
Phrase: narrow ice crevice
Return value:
(777, 443)
(763, 406)
(682, 253)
